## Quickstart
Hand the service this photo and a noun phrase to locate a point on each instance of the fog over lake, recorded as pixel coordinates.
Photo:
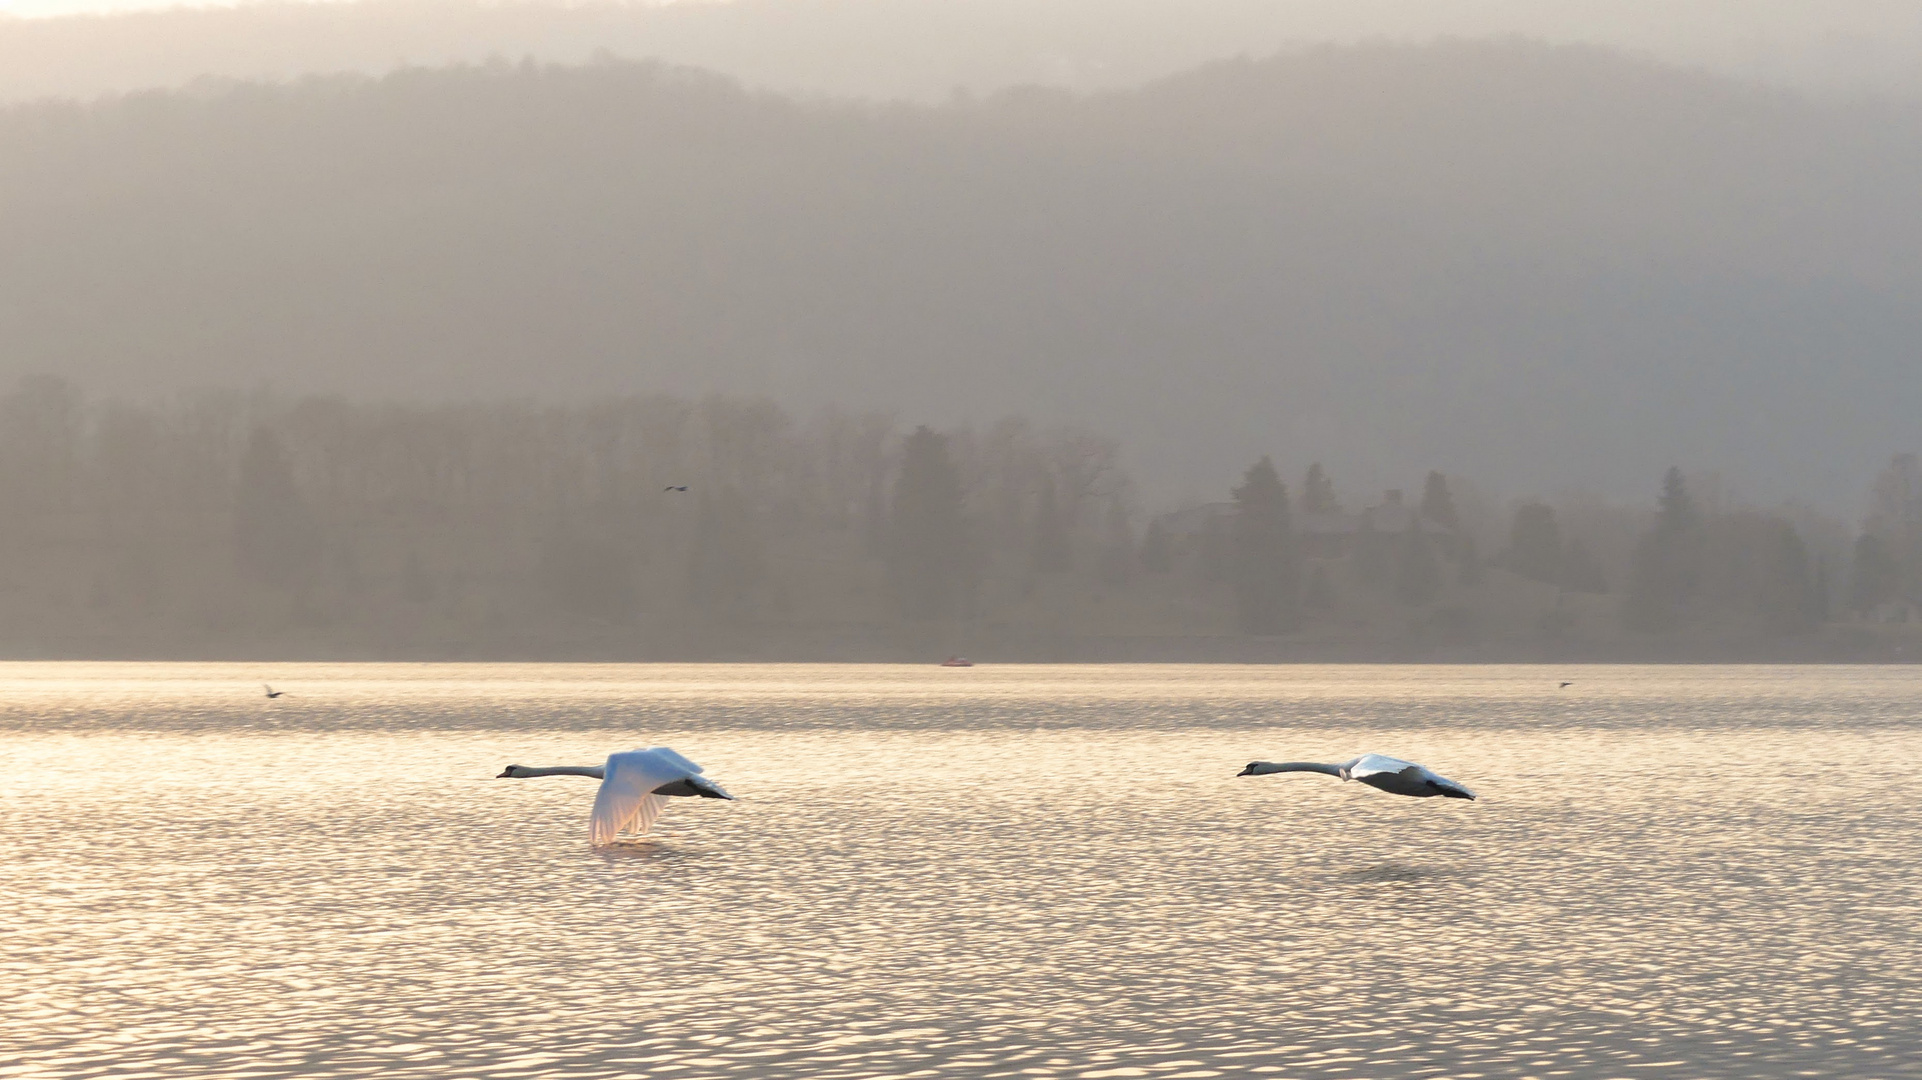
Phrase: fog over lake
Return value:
(1549, 268)
(973, 431)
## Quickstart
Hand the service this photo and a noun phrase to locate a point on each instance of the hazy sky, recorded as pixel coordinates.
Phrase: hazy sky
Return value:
(1788, 26)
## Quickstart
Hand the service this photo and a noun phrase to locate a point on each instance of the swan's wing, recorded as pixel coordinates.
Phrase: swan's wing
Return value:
(671, 759)
(1444, 785)
(626, 801)
(708, 787)
(614, 815)
(1370, 764)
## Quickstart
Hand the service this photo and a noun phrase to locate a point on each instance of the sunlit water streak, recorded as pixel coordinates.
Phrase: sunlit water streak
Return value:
(1687, 872)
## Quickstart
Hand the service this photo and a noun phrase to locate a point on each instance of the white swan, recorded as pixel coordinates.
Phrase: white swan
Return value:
(634, 789)
(1393, 775)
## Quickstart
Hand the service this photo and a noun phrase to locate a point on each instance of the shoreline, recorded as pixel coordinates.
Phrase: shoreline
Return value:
(1834, 644)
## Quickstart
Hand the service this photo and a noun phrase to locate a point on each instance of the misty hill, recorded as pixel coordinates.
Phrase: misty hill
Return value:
(916, 49)
(1532, 265)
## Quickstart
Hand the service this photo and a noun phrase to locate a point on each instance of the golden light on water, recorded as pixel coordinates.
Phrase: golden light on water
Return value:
(1036, 871)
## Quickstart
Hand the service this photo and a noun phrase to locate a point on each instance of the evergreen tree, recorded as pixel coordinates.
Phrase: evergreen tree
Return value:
(1675, 511)
(1264, 560)
(1418, 577)
(1052, 554)
(1665, 570)
(1437, 505)
(930, 559)
(1318, 493)
(274, 530)
(1157, 551)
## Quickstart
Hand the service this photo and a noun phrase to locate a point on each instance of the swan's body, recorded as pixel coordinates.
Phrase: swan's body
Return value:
(635, 787)
(1393, 775)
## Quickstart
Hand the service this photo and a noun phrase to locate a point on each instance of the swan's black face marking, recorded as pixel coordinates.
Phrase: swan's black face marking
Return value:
(507, 772)
(1250, 770)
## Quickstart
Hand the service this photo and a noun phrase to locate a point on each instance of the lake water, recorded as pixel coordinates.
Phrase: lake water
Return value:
(997, 871)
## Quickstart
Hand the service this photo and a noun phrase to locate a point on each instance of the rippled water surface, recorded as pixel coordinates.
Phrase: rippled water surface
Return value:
(1043, 871)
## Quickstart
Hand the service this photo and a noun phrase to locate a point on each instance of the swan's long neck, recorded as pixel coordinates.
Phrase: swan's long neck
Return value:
(522, 772)
(1263, 768)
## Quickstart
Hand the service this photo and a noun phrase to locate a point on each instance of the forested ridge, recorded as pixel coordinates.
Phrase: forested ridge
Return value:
(1247, 362)
(1537, 265)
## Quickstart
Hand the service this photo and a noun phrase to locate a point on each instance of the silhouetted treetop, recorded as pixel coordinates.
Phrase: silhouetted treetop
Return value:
(930, 556)
(1318, 492)
(1677, 509)
(1264, 558)
(1437, 505)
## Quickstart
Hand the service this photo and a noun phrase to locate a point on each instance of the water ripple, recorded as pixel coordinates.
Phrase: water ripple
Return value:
(920, 882)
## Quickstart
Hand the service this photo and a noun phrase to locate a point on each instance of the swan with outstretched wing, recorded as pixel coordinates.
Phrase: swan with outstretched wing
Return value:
(1378, 771)
(635, 787)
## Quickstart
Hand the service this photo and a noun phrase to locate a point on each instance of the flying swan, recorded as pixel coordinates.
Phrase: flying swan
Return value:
(634, 789)
(1393, 775)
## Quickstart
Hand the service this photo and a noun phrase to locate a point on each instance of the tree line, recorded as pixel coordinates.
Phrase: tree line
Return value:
(670, 526)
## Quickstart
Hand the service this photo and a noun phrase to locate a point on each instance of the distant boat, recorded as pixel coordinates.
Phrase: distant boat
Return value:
(957, 661)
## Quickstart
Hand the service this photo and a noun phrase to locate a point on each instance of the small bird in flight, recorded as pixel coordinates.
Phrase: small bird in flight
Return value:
(675, 487)
(271, 692)
(1565, 686)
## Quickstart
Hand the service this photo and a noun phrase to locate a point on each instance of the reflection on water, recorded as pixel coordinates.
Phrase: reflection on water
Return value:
(1680, 872)
(1401, 872)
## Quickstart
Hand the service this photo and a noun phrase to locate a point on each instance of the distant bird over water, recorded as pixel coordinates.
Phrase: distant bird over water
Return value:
(634, 788)
(1393, 775)
(1565, 685)
(271, 692)
(675, 487)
